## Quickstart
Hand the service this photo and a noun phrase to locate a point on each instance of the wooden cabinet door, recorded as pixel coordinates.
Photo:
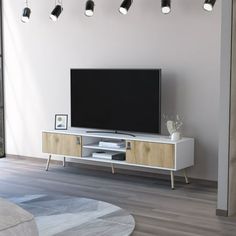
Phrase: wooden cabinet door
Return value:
(150, 154)
(62, 144)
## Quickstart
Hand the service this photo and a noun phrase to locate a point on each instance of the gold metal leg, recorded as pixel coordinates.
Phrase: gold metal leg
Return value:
(64, 161)
(172, 179)
(112, 168)
(185, 176)
(48, 162)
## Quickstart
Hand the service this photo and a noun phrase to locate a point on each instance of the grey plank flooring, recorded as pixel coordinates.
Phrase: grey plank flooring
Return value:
(189, 210)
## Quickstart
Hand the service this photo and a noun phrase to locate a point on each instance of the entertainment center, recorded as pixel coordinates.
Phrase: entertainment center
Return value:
(149, 151)
(111, 107)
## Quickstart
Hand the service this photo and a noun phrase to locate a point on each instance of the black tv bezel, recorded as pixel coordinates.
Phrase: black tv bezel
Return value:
(158, 132)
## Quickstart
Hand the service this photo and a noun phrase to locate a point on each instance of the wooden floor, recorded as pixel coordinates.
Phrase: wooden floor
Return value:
(158, 210)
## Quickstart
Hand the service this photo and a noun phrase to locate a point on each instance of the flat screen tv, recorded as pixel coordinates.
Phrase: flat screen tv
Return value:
(116, 99)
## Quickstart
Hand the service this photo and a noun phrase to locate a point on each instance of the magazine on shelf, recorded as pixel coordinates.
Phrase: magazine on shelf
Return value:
(114, 144)
(109, 155)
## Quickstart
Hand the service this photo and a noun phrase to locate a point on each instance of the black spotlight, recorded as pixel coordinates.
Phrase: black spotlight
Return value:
(165, 6)
(89, 8)
(209, 4)
(56, 12)
(124, 7)
(26, 15)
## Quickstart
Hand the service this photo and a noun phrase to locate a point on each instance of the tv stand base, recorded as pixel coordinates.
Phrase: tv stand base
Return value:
(109, 132)
(147, 151)
(113, 171)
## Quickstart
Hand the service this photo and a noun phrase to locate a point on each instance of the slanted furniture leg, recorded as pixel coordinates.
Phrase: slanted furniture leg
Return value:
(185, 176)
(64, 161)
(48, 162)
(172, 180)
(112, 168)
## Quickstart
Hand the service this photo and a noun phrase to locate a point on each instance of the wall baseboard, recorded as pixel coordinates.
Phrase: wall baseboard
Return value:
(220, 212)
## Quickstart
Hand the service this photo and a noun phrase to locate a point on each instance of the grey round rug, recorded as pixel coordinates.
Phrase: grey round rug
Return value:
(70, 216)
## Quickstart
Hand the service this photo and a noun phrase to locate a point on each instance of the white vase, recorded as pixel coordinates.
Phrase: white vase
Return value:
(175, 136)
(170, 126)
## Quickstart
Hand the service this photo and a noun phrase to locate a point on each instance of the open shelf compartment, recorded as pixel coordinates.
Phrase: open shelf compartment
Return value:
(96, 146)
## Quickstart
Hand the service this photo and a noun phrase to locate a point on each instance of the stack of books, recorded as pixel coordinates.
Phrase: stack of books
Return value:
(109, 155)
(113, 144)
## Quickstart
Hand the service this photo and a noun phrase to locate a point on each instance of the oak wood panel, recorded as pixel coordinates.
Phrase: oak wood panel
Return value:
(151, 154)
(62, 144)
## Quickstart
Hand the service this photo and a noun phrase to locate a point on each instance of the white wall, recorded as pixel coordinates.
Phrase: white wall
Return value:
(39, 55)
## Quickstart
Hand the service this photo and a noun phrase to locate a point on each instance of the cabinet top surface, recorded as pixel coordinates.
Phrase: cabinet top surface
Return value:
(138, 137)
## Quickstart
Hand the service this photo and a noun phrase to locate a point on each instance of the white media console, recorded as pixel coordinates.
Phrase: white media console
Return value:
(149, 151)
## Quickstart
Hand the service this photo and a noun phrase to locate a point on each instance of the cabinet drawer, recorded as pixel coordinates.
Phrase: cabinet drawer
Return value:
(62, 144)
(150, 154)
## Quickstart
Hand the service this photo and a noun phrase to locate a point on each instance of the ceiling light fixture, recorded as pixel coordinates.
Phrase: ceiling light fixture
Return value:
(26, 13)
(124, 7)
(165, 6)
(209, 4)
(89, 8)
(57, 10)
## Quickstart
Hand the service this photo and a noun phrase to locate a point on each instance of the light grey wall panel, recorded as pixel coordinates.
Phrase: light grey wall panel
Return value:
(232, 156)
(224, 112)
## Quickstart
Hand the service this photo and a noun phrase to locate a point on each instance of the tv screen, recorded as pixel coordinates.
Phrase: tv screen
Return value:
(116, 99)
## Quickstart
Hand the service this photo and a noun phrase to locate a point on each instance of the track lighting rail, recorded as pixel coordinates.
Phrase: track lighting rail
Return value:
(208, 5)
